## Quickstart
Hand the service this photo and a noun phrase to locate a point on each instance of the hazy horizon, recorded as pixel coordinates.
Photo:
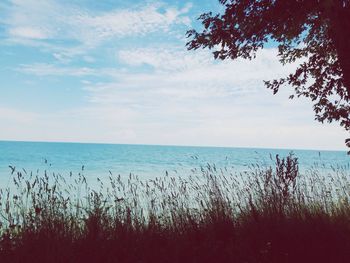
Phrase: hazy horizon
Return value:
(177, 145)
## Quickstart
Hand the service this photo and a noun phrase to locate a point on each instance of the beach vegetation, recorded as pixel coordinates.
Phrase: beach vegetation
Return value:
(267, 214)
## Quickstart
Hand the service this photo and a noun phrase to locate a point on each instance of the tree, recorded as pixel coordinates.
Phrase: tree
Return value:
(315, 31)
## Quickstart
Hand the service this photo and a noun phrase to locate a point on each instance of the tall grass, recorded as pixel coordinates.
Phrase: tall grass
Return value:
(272, 214)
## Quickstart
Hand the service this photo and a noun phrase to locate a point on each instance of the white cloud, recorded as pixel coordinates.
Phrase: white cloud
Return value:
(31, 22)
(121, 23)
(183, 74)
(176, 73)
(165, 60)
(28, 32)
(43, 69)
(194, 100)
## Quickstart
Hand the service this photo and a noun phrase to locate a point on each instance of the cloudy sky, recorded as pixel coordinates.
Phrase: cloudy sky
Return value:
(118, 71)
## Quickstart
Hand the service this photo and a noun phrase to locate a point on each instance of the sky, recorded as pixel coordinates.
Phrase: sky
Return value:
(118, 71)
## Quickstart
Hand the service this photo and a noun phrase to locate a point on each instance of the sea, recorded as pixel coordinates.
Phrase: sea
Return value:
(146, 161)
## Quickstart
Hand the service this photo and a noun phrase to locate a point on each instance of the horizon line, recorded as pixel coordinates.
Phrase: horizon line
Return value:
(178, 145)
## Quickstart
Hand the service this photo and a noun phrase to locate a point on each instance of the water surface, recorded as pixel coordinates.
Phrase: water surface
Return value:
(144, 160)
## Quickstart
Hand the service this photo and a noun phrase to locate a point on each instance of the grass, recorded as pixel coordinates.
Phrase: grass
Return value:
(266, 215)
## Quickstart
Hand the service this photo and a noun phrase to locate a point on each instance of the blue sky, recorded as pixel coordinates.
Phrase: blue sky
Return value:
(118, 72)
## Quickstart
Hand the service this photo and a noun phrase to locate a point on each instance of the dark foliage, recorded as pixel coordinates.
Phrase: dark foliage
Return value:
(315, 32)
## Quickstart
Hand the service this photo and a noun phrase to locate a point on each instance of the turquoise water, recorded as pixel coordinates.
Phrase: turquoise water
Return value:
(143, 160)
